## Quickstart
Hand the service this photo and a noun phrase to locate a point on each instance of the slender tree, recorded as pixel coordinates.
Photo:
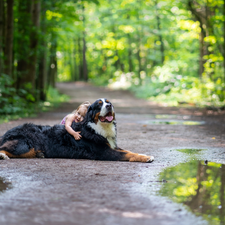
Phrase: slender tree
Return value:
(52, 68)
(80, 59)
(23, 43)
(42, 67)
(34, 35)
(224, 45)
(1, 34)
(8, 47)
(85, 70)
(159, 32)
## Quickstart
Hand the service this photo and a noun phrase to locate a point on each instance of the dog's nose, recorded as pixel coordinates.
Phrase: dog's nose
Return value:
(108, 106)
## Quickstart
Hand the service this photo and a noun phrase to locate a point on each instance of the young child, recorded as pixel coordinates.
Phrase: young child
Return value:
(76, 116)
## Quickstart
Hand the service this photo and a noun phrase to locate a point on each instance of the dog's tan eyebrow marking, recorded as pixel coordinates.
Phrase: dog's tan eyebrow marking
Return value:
(100, 102)
(107, 100)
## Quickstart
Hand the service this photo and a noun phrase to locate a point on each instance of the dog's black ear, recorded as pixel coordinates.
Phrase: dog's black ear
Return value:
(89, 114)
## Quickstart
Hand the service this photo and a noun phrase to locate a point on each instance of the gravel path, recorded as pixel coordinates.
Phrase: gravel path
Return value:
(65, 191)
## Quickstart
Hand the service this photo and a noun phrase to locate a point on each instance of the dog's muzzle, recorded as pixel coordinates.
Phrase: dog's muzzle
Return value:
(108, 117)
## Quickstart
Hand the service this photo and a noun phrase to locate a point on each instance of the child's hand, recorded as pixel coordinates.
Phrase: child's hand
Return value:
(77, 135)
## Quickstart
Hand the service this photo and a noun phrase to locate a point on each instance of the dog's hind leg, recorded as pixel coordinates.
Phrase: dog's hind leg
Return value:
(10, 150)
(5, 149)
(8, 145)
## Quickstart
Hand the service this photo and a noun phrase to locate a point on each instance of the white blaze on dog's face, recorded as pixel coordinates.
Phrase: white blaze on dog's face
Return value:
(107, 113)
(104, 120)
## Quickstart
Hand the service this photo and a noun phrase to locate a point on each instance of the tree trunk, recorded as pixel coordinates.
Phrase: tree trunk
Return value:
(35, 16)
(201, 50)
(1, 35)
(139, 51)
(224, 46)
(42, 77)
(85, 71)
(80, 60)
(160, 35)
(139, 58)
(8, 54)
(53, 62)
(75, 73)
(42, 68)
(131, 68)
(24, 26)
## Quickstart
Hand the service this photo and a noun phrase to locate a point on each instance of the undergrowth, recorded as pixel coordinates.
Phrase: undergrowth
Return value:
(15, 104)
(165, 85)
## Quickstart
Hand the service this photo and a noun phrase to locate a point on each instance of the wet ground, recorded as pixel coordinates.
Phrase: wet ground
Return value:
(187, 143)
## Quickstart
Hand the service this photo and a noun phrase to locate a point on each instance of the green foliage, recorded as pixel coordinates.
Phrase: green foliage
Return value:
(20, 103)
(54, 99)
(14, 101)
(124, 50)
(151, 47)
(167, 86)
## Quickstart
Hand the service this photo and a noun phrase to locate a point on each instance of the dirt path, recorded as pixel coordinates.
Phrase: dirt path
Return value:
(64, 191)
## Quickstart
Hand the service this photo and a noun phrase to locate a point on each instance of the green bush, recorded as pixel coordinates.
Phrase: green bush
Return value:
(15, 104)
(167, 86)
(14, 101)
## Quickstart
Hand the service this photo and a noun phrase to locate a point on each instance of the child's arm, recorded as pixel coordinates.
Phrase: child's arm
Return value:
(68, 123)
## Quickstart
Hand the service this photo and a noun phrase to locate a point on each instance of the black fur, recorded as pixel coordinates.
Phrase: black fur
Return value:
(56, 142)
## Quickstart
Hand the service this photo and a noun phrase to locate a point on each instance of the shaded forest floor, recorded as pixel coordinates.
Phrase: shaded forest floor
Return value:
(64, 191)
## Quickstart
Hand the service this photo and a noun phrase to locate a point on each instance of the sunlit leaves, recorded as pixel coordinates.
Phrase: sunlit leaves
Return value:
(126, 28)
(50, 15)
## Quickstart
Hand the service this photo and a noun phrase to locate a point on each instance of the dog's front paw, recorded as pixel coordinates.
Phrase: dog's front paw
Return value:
(3, 156)
(151, 159)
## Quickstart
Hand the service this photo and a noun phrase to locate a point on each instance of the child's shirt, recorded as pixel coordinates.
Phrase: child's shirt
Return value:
(63, 122)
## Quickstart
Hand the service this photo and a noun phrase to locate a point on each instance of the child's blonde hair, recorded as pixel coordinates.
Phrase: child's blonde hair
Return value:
(86, 104)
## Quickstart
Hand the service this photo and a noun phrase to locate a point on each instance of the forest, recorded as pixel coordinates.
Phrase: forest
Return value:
(167, 51)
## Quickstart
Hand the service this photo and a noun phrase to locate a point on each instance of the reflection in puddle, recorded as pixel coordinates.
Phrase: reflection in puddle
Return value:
(167, 116)
(172, 122)
(199, 185)
(4, 185)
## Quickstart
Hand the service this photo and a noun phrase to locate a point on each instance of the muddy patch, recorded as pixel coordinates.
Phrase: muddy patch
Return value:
(4, 185)
(200, 185)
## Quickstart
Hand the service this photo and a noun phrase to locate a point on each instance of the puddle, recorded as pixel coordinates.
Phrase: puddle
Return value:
(168, 116)
(190, 151)
(4, 185)
(172, 122)
(200, 186)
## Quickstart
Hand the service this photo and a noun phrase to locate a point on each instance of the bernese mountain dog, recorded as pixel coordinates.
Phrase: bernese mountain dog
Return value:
(98, 142)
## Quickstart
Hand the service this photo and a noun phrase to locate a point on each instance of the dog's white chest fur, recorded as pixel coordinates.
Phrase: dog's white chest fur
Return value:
(107, 130)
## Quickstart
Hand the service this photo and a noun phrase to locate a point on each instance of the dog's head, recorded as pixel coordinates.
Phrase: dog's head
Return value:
(101, 111)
